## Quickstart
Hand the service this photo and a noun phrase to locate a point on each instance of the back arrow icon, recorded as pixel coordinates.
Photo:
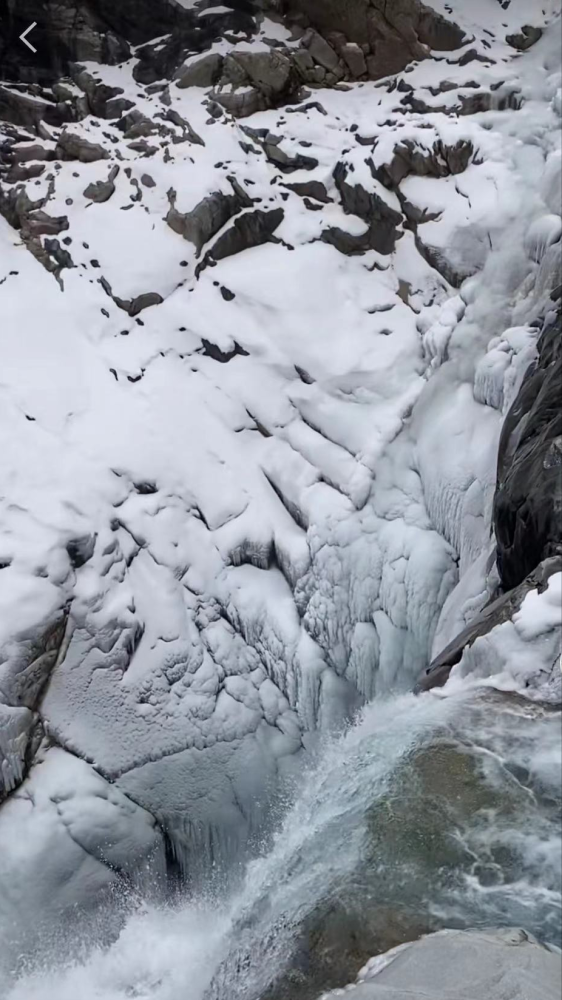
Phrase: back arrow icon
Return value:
(23, 37)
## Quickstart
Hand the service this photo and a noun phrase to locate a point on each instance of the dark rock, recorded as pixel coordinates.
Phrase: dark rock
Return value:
(270, 72)
(455, 274)
(74, 147)
(39, 223)
(58, 254)
(382, 220)
(394, 34)
(209, 216)
(22, 154)
(524, 39)
(143, 147)
(303, 109)
(243, 103)
(148, 181)
(103, 101)
(345, 242)
(439, 161)
(528, 499)
(144, 302)
(189, 133)
(321, 52)
(227, 295)
(17, 173)
(214, 352)
(310, 189)
(100, 191)
(23, 109)
(249, 230)
(355, 59)
(80, 550)
(271, 145)
(470, 56)
(203, 72)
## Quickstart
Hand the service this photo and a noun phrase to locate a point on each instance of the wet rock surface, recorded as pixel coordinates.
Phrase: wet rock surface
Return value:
(528, 500)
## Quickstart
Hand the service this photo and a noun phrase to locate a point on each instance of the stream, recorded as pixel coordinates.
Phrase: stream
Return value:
(430, 811)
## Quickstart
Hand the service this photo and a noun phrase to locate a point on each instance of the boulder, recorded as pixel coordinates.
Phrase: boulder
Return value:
(203, 72)
(100, 191)
(27, 110)
(103, 101)
(354, 58)
(241, 103)
(144, 301)
(269, 71)
(320, 50)
(35, 151)
(74, 147)
(524, 39)
(506, 964)
(41, 224)
(310, 189)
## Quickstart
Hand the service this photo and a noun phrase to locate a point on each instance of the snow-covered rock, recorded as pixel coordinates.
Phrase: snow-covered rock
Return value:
(249, 405)
(71, 842)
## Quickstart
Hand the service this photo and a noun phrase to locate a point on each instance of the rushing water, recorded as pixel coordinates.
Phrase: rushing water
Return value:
(430, 811)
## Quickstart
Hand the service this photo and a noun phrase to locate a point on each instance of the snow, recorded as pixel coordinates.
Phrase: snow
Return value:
(93, 838)
(284, 535)
(522, 654)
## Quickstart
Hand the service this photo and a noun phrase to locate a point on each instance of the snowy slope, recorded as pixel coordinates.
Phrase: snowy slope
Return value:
(250, 503)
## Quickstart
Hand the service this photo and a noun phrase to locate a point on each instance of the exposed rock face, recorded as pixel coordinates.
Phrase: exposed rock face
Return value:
(528, 501)
(495, 964)
(249, 230)
(369, 206)
(390, 34)
(441, 161)
(208, 217)
(27, 110)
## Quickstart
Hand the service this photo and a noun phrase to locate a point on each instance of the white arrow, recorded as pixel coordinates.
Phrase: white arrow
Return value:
(24, 39)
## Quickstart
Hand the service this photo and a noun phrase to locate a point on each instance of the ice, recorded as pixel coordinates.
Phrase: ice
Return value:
(69, 839)
(286, 468)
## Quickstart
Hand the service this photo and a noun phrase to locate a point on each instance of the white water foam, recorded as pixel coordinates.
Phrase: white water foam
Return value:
(235, 948)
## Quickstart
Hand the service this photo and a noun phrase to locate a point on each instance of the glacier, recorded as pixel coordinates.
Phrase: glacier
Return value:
(255, 369)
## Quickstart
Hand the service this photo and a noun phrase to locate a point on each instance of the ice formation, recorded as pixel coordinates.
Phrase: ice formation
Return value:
(250, 404)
